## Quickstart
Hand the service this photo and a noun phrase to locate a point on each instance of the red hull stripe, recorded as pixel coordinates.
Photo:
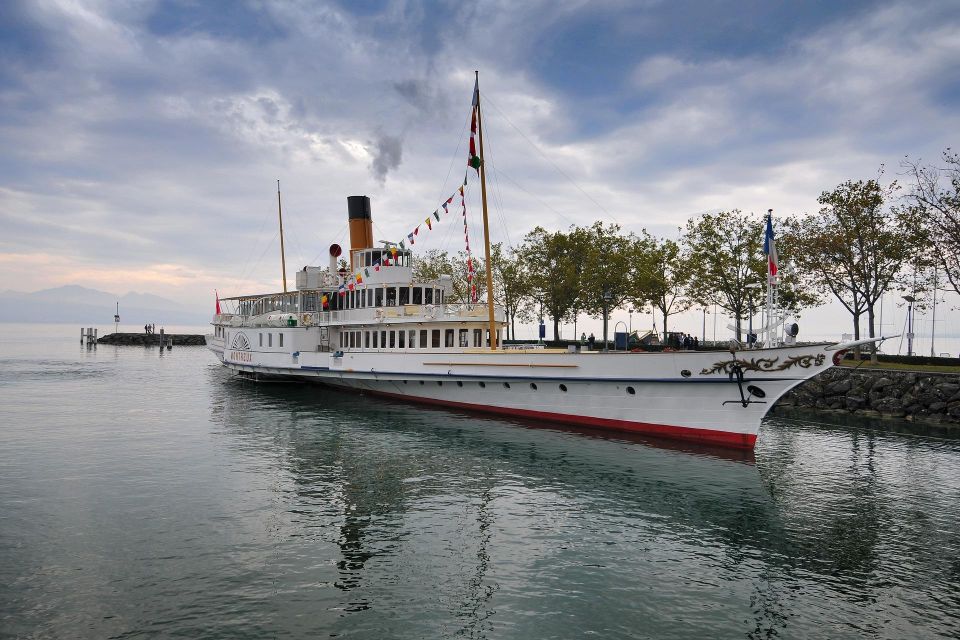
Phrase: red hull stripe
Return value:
(705, 436)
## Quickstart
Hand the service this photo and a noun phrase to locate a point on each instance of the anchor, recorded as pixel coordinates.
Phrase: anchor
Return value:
(737, 371)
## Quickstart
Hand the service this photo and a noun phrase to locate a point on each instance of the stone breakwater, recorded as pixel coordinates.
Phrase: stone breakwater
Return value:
(905, 395)
(152, 339)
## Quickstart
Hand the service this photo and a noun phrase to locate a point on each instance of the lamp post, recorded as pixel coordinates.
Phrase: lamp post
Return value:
(607, 297)
(910, 300)
(751, 339)
(630, 317)
(705, 312)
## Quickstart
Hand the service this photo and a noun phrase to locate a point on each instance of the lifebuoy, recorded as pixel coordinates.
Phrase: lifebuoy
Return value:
(379, 315)
(430, 311)
(305, 319)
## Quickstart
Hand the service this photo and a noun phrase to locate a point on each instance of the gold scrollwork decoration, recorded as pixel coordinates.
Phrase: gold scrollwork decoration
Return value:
(766, 364)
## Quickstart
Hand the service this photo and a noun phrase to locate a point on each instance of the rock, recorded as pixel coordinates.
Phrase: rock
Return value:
(882, 382)
(936, 407)
(838, 387)
(947, 389)
(856, 402)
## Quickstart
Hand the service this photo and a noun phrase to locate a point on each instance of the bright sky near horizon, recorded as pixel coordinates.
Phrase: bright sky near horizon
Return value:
(142, 140)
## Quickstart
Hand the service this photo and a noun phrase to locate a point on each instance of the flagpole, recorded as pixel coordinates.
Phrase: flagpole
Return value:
(486, 224)
(769, 323)
(283, 257)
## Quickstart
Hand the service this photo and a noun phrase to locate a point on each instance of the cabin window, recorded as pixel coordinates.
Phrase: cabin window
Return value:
(404, 295)
(393, 339)
(428, 296)
(478, 337)
(423, 338)
(464, 337)
(309, 302)
(383, 339)
(412, 340)
(379, 296)
(400, 340)
(261, 339)
(435, 339)
(269, 339)
(281, 338)
(448, 338)
(375, 340)
(391, 296)
(366, 339)
(418, 295)
(351, 343)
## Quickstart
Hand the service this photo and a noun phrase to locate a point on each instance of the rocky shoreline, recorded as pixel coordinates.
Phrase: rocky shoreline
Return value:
(920, 397)
(152, 339)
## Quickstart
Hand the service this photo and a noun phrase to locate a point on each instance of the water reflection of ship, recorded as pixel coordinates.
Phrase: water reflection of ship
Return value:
(373, 454)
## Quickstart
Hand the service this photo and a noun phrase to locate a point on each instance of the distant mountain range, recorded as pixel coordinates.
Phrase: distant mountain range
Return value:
(76, 304)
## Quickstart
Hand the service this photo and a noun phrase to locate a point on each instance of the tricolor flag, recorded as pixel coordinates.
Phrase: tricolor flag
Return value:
(410, 237)
(474, 160)
(325, 301)
(770, 248)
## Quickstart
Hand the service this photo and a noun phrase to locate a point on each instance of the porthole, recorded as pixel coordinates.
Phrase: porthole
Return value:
(404, 382)
(439, 383)
(422, 382)
(757, 391)
(483, 385)
(533, 385)
(459, 383)
(631, 390)
(506, 385)
(563, 388)
(685, 373)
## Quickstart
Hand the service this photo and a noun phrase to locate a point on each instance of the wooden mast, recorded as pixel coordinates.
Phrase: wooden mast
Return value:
(283, 257)
(486, 224)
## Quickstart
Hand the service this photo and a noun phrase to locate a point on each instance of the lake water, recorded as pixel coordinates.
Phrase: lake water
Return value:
(148, 494)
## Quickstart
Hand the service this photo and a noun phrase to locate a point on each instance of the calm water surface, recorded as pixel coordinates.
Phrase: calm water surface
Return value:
(154, 495)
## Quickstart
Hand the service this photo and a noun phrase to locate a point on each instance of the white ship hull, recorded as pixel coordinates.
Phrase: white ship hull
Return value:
(689, 395)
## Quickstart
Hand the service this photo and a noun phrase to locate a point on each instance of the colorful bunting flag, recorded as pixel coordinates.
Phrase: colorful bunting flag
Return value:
(436, 215)
(429, 223)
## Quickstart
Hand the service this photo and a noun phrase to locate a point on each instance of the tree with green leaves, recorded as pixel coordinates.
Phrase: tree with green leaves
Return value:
(724, 252)
(435, 263)
(727, 266)
(511, 284)
(858, 246)
(661, 276)
(608, 267)
(552, 263)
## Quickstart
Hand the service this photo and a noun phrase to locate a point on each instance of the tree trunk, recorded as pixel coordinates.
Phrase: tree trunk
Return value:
(856, 333)
(872, 334)
(556, 329)
(664, 325)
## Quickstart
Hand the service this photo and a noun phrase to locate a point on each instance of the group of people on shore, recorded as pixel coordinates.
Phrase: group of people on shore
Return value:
(149, 329)
(682, 341)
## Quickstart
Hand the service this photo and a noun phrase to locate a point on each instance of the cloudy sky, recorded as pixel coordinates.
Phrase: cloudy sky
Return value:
(142, 140)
